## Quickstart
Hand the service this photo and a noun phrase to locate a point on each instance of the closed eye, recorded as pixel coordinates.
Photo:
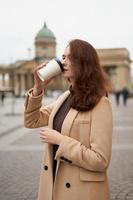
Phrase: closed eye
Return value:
(63, 56)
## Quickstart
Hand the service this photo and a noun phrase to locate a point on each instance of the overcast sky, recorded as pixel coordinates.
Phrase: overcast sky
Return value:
(104, 23)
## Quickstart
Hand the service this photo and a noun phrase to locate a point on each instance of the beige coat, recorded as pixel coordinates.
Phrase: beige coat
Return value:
(82, 157)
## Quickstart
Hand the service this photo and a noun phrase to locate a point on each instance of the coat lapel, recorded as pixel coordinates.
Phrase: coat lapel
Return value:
(66, 127)
(54, 111)
(67, 124)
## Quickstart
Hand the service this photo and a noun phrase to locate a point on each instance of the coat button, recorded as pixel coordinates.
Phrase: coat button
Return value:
(68, 185)
(45, 167)
(62, 158)
(66, 159)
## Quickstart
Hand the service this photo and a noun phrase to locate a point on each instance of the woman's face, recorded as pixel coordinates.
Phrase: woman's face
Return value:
(68, 72)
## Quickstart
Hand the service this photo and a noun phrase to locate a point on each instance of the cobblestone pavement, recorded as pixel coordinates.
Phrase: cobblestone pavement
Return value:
(21, 152)
(121, 167)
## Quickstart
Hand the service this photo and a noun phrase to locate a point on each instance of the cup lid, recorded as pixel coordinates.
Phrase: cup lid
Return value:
(60, 64)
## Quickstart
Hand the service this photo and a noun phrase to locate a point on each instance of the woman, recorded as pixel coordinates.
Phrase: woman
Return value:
(79, 133)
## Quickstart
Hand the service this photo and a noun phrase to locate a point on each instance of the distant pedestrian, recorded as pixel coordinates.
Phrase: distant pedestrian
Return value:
(125, 95)
(2, 97)
(117, 97)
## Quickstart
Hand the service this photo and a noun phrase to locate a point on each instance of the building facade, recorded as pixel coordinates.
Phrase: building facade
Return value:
(18, 77)
(116, 63)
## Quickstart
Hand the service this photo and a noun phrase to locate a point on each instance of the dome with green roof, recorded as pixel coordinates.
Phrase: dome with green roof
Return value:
(45, 33)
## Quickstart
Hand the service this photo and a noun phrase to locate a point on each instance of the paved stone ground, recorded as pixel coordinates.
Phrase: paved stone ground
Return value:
(21, 152)
(121, 168)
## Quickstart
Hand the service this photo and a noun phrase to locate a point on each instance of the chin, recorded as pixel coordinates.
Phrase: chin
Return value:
(66, 76)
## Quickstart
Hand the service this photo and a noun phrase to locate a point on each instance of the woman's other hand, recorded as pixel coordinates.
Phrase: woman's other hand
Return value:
(51, 136)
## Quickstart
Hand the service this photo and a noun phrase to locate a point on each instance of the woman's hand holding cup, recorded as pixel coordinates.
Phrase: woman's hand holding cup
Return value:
(44, 73)
(40, 85)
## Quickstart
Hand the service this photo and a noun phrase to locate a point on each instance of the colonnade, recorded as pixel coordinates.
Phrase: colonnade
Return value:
(19, 82)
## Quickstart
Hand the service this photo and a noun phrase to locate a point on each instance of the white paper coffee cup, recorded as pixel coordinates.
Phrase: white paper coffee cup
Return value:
(53, 68)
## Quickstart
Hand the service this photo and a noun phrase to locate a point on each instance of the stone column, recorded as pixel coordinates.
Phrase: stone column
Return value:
(3, 80)
(26, 82)
(11, 79)
(17, 84)
(30, 80)
(22, 83)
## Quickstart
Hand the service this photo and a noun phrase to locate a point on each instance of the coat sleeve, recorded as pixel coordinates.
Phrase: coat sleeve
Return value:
(97, 156)
(34, 114)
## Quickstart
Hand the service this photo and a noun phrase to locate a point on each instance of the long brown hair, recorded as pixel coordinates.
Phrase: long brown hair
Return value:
(90, 81)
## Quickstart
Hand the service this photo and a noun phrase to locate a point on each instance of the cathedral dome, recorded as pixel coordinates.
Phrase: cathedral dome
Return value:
(45, 33)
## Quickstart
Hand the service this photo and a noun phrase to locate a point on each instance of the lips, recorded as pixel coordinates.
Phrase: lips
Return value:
(64, 69)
